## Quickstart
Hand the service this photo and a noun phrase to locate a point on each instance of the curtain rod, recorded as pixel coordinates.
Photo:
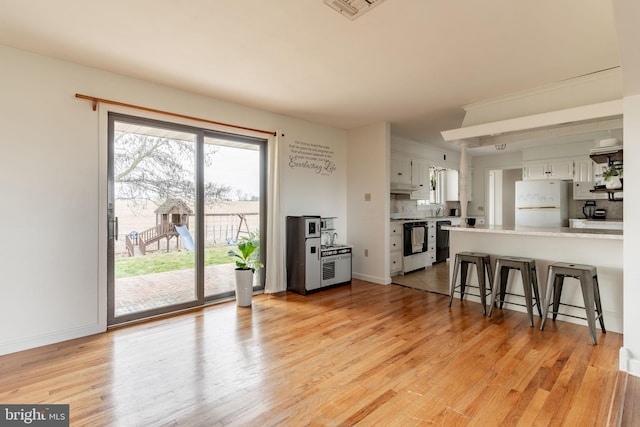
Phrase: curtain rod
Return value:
(152, 110)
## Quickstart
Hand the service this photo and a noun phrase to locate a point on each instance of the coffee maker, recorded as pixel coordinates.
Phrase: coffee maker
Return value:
(589, 209)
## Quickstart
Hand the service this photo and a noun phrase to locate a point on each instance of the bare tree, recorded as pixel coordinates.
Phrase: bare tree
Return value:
(148, 167)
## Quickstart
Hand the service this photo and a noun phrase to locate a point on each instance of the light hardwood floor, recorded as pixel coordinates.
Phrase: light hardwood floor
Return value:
(363, 354)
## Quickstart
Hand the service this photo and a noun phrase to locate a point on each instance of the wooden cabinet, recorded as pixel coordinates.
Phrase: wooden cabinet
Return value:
(395, 248)
(548, 169)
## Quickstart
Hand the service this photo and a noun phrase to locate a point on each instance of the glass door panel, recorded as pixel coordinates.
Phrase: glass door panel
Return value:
(152, 205)
(232, 205)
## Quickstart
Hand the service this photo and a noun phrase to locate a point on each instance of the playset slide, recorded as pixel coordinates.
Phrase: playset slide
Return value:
(187, 239)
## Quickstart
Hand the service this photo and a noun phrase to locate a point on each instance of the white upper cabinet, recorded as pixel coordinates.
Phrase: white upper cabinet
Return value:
(400, 169)
(583, 170)
(420, 173)
(585, 177)
(549, 169)
(453, 192)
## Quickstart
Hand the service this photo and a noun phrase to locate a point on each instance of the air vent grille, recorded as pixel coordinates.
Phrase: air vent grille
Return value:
(352, 9)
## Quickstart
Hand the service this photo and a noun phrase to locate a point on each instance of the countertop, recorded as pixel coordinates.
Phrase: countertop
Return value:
(429, 218)
(598, 221)
(541, 231)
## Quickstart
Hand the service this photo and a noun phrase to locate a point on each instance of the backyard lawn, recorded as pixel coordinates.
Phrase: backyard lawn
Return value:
(158, 263)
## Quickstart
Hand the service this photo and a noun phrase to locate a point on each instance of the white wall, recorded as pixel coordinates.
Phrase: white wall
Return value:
(52, 196)
(315, 173)
(368, 174)
(627, 16)
(630, 354)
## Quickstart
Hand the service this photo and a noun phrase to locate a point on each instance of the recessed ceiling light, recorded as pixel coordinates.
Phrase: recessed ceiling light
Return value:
(352, 8)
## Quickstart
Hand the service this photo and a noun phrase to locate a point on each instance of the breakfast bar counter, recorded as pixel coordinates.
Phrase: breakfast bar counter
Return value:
(600, 248)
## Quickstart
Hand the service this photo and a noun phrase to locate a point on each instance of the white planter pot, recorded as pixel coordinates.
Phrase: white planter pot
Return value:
(244, 287)
(613, 183)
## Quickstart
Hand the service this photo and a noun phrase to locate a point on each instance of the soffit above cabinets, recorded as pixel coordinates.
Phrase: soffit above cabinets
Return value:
(575, 115)
(584, 108)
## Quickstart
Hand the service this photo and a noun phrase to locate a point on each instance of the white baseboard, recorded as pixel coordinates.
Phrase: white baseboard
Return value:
(52, 338)
(373, 279)
(628, 364)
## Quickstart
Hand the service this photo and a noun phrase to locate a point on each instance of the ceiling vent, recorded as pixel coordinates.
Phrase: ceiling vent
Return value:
(352, 8)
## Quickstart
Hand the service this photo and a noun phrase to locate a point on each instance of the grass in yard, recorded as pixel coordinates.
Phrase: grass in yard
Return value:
(159, 263)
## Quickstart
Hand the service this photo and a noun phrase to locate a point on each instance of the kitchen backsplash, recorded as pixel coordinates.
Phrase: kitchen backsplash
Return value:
(409, 209)
(614, 209)
(401, 204)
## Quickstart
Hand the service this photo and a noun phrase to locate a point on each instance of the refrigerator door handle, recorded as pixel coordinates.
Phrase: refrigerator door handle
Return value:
(539, 207)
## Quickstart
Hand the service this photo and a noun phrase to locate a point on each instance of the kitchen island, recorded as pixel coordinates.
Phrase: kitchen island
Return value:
(601, 248)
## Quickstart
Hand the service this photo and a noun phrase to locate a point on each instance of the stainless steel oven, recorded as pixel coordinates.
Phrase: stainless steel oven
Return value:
(415, 245)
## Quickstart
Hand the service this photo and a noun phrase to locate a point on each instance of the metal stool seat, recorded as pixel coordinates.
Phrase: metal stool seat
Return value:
(527, 268)
(588, 277)
(482, 262)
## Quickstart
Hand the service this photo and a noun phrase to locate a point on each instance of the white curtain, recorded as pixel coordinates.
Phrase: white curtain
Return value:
(276, 274)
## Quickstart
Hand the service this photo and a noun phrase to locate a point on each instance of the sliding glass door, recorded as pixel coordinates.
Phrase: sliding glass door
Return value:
(232, 188)
(180, 198)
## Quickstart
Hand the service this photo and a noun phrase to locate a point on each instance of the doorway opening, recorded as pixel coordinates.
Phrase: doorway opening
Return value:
(501, 199)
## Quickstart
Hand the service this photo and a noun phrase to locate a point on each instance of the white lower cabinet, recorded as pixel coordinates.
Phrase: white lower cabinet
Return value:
(395, 248)
(431, 243)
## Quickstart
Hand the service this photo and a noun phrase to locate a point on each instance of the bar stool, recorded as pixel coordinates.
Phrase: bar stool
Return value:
(588, 277)
(527, 268)
(482, 262)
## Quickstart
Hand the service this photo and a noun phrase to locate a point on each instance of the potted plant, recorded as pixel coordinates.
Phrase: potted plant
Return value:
(247, 258)
(613, 176)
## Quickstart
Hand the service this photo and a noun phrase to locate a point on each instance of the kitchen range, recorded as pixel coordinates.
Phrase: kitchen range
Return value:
(314, 260)
(424, 241)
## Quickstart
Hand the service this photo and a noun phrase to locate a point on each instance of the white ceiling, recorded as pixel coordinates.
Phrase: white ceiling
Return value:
(413, 63)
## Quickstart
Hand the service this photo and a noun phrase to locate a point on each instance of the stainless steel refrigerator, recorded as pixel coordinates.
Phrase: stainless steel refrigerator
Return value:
(303, 254)
(542, 203)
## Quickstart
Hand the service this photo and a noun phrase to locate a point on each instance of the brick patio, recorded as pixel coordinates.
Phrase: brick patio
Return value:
(139, 293)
